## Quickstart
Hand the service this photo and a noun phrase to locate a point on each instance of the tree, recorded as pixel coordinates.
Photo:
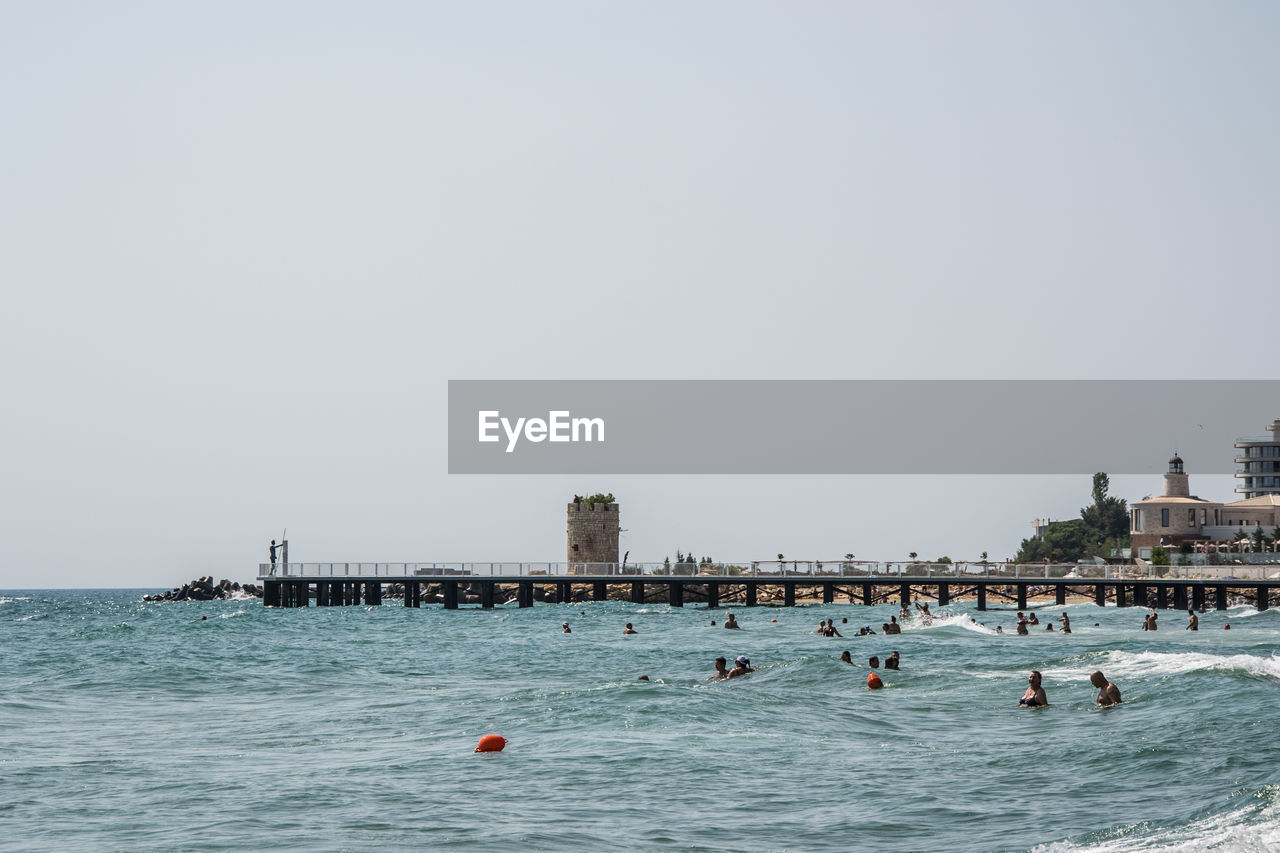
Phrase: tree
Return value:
(1108, 517)
(913, 555)
(983, 558)
(1159, 556)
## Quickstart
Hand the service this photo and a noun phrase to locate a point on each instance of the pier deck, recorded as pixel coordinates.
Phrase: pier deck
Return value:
(1179, 587)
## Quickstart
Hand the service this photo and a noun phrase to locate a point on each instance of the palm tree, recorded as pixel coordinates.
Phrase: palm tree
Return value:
(913, 555)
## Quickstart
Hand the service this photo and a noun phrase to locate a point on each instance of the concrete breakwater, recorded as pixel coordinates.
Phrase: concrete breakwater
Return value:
(204, 589)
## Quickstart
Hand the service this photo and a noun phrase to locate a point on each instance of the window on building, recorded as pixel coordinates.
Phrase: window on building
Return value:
(1137, 520)
(1164, 518)
(1191, 517)
(1204, 517)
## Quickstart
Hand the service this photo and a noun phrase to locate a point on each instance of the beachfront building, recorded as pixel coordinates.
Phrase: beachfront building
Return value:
(1259, 461)
(1177, 516)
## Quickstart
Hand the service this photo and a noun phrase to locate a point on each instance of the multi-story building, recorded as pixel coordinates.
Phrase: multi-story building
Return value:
(1259, 461)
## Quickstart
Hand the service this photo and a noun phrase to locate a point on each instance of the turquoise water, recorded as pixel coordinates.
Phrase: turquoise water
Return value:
(132, 726)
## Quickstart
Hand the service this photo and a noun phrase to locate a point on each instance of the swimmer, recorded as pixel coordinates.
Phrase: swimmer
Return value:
(1035, 696)
(885, 629)
(846, 657)
(1226, 627)
(629, 629)
(831, 630)
(891, 662)
(1049, 627)
(822, 628)
(564, 628)
(904, 612)
(722, 671)
(1066, 623)
(1154, 617)
(894, 627)
(1032, 619)
(874, 662)
(999, 629)
(730, 621)
(1022, 623)
(713, 623)
(1146, 622)
(1108, 693)
(643, 678)
(741, 667)
(1193, 623)
(844, 621)
(204, 618)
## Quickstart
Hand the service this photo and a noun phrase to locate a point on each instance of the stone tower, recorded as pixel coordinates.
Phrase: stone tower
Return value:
(592, 533)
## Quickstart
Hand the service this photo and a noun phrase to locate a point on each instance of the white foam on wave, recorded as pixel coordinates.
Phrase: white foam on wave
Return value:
(1254, 826)
(1121, 664)
(940, 620)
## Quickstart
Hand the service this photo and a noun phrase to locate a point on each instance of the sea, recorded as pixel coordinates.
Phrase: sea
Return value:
(225, 725)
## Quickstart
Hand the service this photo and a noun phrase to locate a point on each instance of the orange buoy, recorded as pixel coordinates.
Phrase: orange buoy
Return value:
(873, 682)
(491, 743)
(773, 620)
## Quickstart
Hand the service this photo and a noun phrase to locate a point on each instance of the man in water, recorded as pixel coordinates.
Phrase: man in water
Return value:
(1032, 619)
(1035, 697)
(730, 622)
(1022, 623)
(1066, 623)
(904, 612)
(874, 662)
(1193, 623)
(629, 629)
(1154, 617)
(722, 671)
(999, 629)
(564, 628)
(894, 627)
(846, 657)
(891, 662)
(741, 666)
(1108, 693)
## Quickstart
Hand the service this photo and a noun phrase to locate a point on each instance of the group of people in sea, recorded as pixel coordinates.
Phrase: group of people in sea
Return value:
(1035, 697)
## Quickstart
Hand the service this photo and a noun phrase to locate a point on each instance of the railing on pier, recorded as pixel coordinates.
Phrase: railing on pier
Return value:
(817, 570)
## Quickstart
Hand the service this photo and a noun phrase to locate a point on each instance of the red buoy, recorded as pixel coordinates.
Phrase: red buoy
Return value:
(491, 743)
(874, 682)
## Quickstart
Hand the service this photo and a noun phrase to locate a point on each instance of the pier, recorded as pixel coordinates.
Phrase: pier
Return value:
(754, 584)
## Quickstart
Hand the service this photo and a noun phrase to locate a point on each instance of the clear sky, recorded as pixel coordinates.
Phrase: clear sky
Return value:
(243, 247)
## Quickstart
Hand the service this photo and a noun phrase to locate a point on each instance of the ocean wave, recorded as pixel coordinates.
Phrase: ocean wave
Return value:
(1254, 826)
(1121, 664)
(947, 620)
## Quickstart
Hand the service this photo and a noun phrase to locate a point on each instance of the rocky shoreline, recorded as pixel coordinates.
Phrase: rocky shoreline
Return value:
(204, 589)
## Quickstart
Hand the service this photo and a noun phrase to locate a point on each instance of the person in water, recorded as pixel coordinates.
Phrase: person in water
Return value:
(1022, 623)
(1066, 623)
(1154, 617)
(564, 628)
(741, 666)
(730, 621)
(1035, 696)
(999, 629)
(891, 662)
(1193, 623)
(894, 627)
(846, 657)
(722, 670)
(874, 662)
(629, 629)
(831, 630)
(1108, 693)
(1032, 618)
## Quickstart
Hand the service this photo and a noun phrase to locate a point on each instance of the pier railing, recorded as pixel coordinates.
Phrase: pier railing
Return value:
(886, 572)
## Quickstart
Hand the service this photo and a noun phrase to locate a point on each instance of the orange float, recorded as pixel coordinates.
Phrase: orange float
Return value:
(873, 682)
(491, 743)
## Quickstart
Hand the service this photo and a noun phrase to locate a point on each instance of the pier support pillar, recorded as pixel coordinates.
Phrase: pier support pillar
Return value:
(1220, 597)
(271, 594)
(751, 594)
(304, 594)
(1121, 601)
(675, 594)
(788, 595)
(1197, 596)
(904, 594)
(1100, 594)
(487, 591)
(410, 593)
(524, 594)
(1180, 597)
(637, 592)
(450, 590)
(866, 594)
(564, 591)
(944, 595)
(599, 591)
(982, 596)
(1162, 596)
(373, 593)
(1141, 597)
(828, 593)
(1022, 596)
(1060, 594)
(322, 594)
(713, 596)
(1263, 603)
